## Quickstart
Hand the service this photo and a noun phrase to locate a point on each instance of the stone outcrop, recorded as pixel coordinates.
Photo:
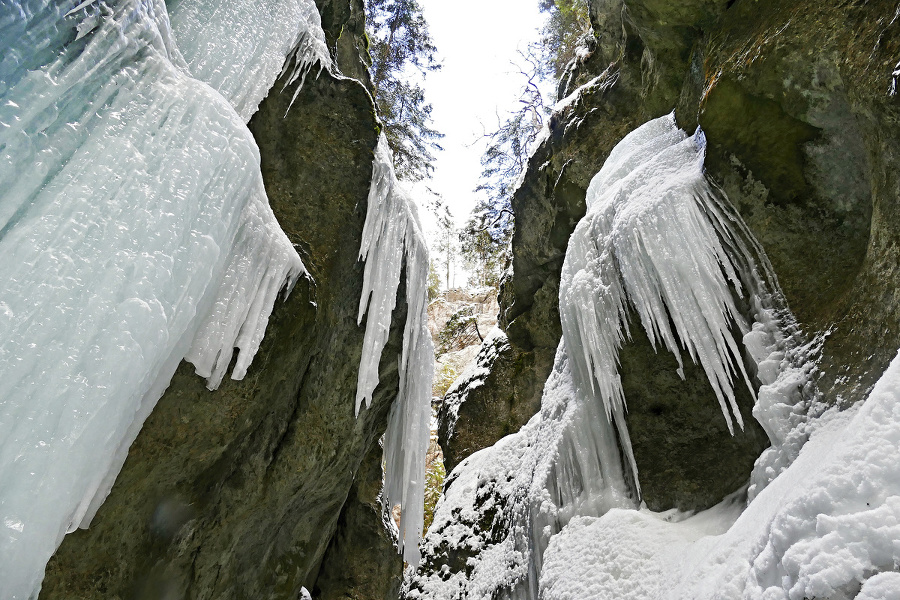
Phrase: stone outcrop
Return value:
(686, 457)
(238, 493)
(797, 104)
(480, 406)
(801, 111)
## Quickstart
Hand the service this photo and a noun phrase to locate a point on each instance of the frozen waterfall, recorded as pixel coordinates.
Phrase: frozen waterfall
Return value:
(135, 231)
(653, 242)
(239, 47)
(393, 242)
(659, 243)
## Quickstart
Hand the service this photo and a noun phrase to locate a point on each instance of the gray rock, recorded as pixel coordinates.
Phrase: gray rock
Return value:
(686, 457)
(362, 562)
(803, 137)
(482, 408)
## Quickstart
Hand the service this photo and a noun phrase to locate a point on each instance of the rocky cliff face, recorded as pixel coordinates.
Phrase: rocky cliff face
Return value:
(800, 109)
(237, 493)
(816, 182)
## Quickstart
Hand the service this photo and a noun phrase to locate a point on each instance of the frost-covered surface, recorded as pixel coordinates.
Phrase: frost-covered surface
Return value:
(474, 374)
(657, 240)
(134, 231)
(883, 586)
(393, 241)
(788, 404)
(894, 77)
(601, 82)
(239, 47)
(822, 529)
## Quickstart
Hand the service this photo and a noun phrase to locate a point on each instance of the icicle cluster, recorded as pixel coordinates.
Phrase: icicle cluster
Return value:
(656, 240)
(651, 242)
(134, 231)
(392, 239)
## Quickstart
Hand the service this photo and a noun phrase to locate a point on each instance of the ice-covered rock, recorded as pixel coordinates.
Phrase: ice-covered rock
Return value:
(135, 231)
(653, 241)
(656, 241)
(239, 47)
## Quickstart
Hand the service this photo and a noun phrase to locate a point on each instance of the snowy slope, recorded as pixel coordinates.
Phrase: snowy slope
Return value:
(822, 529)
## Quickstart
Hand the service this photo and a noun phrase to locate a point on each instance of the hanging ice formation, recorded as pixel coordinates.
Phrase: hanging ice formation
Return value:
(654, 242)
(658, 241)
(221, 45)
(134, 231)
(392, 242)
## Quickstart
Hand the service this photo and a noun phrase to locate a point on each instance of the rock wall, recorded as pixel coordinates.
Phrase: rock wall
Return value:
(817, 180)
(237, 493)
(797, 104)
(800, 108)
(362, 561)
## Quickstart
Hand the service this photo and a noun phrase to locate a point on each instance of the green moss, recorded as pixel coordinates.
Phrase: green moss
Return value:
(443, 379)
(434, 483)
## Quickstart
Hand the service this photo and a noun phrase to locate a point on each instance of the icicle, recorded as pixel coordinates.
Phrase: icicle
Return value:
(652, 242)
(262, 262)
(392, 236)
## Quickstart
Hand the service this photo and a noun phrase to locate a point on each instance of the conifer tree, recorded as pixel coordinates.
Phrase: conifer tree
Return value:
(567, 23)
(399, 45)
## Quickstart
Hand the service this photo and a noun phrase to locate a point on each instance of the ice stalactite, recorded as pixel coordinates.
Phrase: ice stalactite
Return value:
(658, 242)
(654, 242)
(393, 242)
(134, 231)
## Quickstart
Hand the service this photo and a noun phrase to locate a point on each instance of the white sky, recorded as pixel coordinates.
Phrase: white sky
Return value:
(476, 42)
